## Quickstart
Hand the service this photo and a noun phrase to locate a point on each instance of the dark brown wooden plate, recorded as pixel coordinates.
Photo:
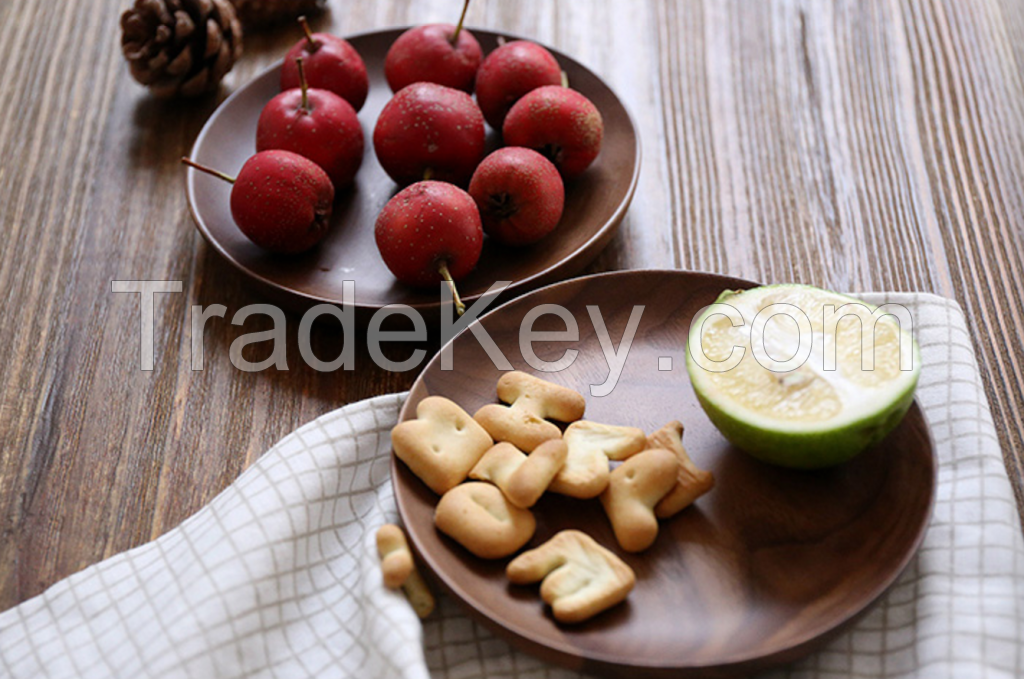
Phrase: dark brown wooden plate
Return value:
(594, 207)
(759, 572)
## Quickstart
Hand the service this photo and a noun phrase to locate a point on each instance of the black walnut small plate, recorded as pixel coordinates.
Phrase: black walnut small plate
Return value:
(761, 571)
(595, 202)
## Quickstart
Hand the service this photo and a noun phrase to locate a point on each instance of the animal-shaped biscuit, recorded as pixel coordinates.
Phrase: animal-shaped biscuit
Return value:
(441, 445)
(480, 518)
(532, 401)
(591, 446)
(580, 577)
(400, 571)
(634, 488)
(522, 478)
(691, 482)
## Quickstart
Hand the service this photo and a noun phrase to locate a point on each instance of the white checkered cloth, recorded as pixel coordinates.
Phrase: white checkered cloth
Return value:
(278, 576)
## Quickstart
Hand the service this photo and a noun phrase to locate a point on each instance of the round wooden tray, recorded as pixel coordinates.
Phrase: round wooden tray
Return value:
(759, 572)
(594, 206)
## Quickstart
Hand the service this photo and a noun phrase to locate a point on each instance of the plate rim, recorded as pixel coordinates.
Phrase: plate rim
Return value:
(517, 287)
(527, 641)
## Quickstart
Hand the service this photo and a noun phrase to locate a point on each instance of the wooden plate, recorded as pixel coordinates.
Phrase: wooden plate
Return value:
(594, 207)
(759, 572)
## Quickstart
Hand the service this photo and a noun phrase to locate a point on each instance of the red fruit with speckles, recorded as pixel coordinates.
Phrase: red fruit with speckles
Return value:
(508, 73)
(280, 200)
(425, 226)
(519, 194)
(429, 131)
(426, 54)
(331, 63)
(561, 124)
(316, 124)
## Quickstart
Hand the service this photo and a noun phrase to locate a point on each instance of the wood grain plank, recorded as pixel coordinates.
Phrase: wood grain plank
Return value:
(979, 242)
(866, 146)
(50, 189)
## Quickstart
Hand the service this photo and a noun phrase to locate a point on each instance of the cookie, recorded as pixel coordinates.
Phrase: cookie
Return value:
(479, 517)
(532, 402)
(691, 481)
(614, 442)
(498, 464)
(580, 577)
(395, 557)
(400, 571)
(419, 595)
(634, 488)
(441, 445)
(522, 478)
(591, 446)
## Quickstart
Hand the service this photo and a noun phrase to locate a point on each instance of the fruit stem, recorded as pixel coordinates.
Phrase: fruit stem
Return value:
(428, 174)
(208, 170)
(442, 268)
(309, 34)
(458, 28)
(303, 84)
(565, 79)
(501, 41)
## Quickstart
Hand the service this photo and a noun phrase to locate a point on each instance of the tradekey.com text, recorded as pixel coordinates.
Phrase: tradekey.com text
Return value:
(613, 350)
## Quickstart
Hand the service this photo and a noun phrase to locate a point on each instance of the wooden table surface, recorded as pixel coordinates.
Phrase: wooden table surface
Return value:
(856, 145)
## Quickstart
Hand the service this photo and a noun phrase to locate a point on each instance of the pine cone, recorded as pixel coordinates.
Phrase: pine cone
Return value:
(181, 46)
(263, 13)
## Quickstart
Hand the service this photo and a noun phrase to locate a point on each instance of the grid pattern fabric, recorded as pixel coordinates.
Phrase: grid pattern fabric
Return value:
(278, 576)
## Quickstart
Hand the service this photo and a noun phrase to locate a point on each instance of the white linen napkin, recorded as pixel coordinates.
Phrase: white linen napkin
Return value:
(279, 577)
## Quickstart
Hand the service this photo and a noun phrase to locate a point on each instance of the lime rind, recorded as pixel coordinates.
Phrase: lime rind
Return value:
(805, 444)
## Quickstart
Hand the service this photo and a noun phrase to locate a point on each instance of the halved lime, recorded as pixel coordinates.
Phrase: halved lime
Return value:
(799, 376)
